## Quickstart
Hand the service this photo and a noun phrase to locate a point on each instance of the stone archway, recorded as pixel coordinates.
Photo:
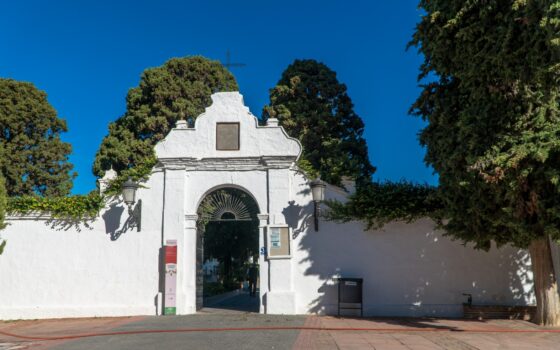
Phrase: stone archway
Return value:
(228, 231)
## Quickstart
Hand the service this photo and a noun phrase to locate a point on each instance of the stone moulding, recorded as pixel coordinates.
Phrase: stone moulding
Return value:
(29, 216)
(228, 164)
(45, 216)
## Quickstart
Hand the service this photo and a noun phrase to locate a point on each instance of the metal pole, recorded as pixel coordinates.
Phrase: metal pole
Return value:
(316, 215)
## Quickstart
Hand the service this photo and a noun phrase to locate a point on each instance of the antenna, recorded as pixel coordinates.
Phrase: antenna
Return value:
(229, 64)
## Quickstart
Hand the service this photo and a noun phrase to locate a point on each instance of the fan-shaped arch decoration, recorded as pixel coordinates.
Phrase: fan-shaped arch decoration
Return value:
(227, 205)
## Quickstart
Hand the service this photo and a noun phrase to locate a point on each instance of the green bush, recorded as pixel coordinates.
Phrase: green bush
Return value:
(379, 203)
(77, 207)
(213, 288)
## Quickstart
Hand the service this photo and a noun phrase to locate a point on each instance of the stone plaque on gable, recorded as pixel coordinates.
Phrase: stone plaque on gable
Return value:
(227, 136)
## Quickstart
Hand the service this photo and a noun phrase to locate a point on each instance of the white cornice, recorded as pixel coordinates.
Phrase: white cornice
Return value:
(228, 164)
(29, 216)
(192, 217)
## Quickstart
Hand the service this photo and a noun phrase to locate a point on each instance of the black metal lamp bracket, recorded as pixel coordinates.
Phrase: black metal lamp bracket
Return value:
(135, 215)
(316, 212)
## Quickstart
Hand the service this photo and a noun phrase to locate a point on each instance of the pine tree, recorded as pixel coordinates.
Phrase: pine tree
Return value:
(180, 88)
(313, 106)
(35, 160)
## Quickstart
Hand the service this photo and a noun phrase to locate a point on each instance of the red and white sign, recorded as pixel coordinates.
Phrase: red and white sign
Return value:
(170, 248)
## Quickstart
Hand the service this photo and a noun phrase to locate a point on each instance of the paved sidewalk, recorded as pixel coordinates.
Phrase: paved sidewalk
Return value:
(53, 328)
(232, 302)
(424, 334)
(254, 331)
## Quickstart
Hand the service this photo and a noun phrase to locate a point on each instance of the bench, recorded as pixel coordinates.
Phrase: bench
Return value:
(487, 312)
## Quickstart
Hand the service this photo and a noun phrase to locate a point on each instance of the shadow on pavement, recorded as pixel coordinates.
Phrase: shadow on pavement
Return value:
(239, 301)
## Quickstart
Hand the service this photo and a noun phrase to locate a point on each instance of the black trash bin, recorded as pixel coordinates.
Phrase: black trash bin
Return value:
(350, 294)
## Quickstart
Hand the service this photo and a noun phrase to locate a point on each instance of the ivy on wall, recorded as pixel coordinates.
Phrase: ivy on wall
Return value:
(140, 173)
(77, 208)
(379, 203)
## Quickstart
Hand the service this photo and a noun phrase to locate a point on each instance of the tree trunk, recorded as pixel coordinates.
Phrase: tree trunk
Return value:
(544, 280)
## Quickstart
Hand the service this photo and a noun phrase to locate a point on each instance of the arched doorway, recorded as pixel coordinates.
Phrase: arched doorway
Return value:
(227, 251)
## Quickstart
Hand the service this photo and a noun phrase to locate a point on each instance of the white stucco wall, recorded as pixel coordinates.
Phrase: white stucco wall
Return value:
(408, 269)
(108, 270)
(52, 269)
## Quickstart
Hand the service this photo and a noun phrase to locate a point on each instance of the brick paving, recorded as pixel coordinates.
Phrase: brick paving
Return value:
(55, 327)
(424, 334)
(381, 333)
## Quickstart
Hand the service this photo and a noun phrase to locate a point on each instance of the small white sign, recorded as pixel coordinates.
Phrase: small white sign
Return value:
(275, 237)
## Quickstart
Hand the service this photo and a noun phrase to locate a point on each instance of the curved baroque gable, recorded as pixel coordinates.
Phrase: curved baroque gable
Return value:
(267, 142)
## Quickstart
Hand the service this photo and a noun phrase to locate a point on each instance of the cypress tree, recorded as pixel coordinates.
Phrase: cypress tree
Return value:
(314, 107)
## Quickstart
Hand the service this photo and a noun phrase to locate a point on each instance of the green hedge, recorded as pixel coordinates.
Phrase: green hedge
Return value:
(78, 207)
(379, 203)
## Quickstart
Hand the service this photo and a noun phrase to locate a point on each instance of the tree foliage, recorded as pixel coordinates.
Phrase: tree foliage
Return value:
(35, 159)
(494, 118)
(314, 107)
(179, 89)
(378, 203)
(492, 108)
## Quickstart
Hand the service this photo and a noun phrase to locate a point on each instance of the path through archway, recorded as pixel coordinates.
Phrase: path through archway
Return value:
(227, 252)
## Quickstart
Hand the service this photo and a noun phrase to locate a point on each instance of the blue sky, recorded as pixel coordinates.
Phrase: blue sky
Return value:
(87, 54)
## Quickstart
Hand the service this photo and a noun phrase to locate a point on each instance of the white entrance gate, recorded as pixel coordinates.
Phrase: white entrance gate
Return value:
(227, 148)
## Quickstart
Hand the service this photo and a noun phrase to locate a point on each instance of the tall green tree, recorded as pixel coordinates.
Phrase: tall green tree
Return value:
(179, 89)
(493, 135)
(35, 160)
(314, 107)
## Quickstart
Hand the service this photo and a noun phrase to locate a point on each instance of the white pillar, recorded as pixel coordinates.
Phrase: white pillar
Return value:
(174, 229)
(263, 264)
(174, 203)
(280, 299)
(189, 263)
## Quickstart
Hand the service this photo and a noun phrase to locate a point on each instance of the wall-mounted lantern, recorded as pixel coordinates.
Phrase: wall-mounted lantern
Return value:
(129, 195)
(318, 192)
